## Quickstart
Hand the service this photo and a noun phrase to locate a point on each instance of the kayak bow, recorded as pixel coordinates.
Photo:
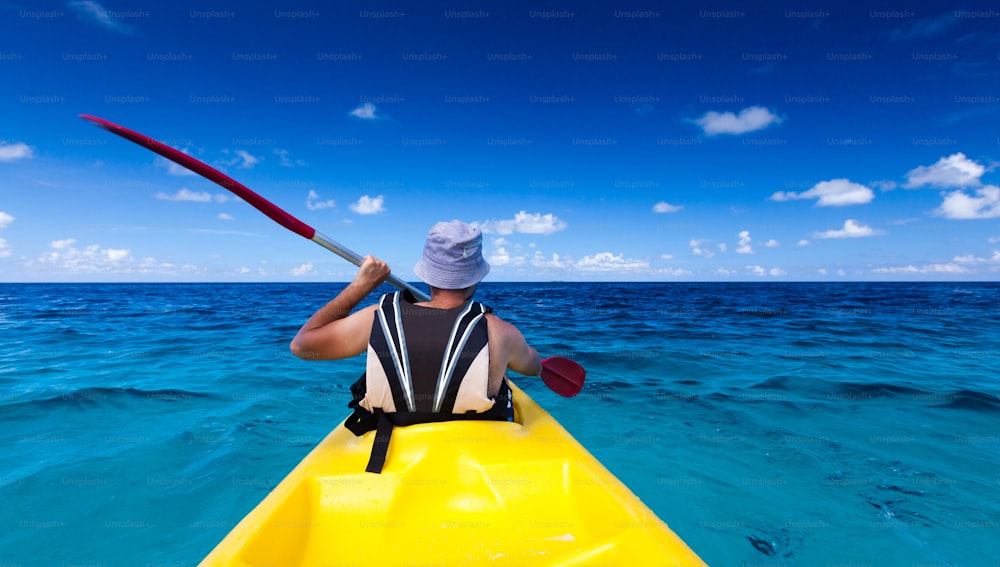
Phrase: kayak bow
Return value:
(454, 493)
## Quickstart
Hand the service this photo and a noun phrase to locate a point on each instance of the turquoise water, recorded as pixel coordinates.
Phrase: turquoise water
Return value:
(768, 424)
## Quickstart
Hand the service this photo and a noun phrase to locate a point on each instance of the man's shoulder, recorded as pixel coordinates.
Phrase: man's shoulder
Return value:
(498, 325)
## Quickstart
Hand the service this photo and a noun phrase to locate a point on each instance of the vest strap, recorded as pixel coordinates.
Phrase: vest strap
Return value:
(380, 447)
(362, 421)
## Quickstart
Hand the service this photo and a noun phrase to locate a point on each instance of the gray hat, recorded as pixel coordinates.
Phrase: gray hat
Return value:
(453, 256)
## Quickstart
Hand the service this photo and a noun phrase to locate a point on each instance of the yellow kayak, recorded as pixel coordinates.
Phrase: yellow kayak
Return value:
(454, 493)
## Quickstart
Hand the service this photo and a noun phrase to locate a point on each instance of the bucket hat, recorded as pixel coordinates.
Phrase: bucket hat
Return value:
(453, 256)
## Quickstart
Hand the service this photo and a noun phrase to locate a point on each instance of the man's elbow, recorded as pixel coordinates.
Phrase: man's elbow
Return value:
(301, 350)
(536, 364)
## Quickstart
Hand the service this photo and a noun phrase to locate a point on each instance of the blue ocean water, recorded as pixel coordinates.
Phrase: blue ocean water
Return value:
(768, 424)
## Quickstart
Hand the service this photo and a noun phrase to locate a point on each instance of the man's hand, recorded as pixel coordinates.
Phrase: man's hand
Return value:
(372, 273)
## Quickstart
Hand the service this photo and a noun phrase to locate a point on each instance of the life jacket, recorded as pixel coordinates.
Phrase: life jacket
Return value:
(424, 365)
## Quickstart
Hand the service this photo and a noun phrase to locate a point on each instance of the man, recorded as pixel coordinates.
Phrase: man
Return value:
(427, 361)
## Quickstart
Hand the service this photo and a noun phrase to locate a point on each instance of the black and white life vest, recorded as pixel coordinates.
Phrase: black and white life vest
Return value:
(424, 365)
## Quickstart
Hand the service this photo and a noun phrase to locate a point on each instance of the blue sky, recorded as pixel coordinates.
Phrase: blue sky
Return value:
(648, 141)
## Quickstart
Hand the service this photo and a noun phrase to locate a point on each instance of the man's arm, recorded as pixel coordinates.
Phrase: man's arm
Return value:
(520, 356)
(332, 332)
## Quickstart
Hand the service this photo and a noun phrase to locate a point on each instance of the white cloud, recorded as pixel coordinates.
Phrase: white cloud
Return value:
(958, 205)
(368, 205)
(696, 248)
(665, 207)
(303, 270)
(365, 112)
(666, 256)
(599, 262)
(851, 229)
(883, 185)
(949, 268)
(955, 170)
(897, 270)
(555, 261)
(772, 244)
(832, 193)
(100, 15)
(115, 255)
(761, 271)
(185, 194)
(725, 272)
(313, 203)
(748, 120)
(16, 151)
(285, 160)
(226, 216)
(926, 28)
(524, 222)
(804, 242)
(5, 220)
(722, 247)
(173, 168)
(744, 244)
(248, 160)
(608, 262)
(675, 271)
(822, 271)
(501, 257)
(65, 257)
(973, 259)
(243, 159)
(4, 248)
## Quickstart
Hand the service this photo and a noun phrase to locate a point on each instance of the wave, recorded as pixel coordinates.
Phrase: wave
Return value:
(777, 383)
(99, 397)
(868, 390)
(970, 400)
(811, 389)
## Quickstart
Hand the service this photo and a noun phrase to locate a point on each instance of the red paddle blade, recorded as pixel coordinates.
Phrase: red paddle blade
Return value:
(563, 376)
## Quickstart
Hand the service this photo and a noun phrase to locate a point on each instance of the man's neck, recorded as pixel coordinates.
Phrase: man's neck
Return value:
(447, 298)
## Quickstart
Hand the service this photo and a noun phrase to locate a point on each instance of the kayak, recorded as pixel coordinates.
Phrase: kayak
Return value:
(450, 493)
(454, 493)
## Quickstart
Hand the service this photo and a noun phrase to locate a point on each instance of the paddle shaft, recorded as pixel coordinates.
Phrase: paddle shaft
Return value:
(273, 211)
(356, 259)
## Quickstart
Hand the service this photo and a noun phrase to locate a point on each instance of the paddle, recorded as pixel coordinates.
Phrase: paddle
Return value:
(563, 376)
(560, 374)
(276, 213)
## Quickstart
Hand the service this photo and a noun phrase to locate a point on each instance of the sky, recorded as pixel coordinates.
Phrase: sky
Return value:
(635, 141)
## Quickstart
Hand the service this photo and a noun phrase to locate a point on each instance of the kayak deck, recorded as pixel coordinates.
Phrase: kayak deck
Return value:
(454, 493)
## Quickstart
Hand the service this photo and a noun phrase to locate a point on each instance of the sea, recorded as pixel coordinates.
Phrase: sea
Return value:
(768, 424)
